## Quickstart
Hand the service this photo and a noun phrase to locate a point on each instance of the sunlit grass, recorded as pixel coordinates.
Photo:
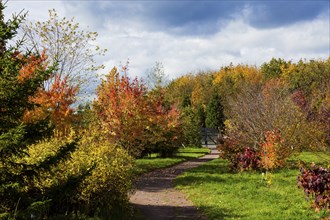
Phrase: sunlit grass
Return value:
(155, 162)
(222, 194)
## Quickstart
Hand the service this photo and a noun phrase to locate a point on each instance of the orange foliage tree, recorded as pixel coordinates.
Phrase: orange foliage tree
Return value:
(272, 155)
(133, 119)
(54, 103)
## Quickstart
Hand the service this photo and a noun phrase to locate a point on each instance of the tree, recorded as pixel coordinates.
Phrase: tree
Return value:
(266, 111)
(123, 111)
(156, 77)
(68, 47)
(133, 119)
(214, 113)
(21, 75)
(274, 68)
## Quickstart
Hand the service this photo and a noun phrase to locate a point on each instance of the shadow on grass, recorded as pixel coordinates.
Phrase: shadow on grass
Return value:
(217, 166)
(164, 212)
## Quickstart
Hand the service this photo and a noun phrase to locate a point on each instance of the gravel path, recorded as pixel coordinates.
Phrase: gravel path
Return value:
(156, 198)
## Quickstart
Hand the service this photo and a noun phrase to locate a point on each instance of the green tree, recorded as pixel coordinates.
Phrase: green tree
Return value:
(21, 75)
(273, 68)
(214, 113)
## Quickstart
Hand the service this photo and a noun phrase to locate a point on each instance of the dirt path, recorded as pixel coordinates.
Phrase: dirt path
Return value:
(156, 198)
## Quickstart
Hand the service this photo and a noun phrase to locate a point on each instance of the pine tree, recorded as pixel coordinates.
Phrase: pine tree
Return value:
(21, 75)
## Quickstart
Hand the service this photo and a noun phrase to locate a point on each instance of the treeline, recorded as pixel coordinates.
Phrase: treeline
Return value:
(284, 101)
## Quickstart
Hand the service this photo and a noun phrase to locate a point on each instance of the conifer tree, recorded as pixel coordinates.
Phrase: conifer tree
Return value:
(21, 75)
(214, 113)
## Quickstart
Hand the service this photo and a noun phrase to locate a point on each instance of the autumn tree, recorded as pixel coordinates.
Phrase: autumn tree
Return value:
(260, 109)
(72, 51)
(70, 48)
(122, 109)
(133, 119)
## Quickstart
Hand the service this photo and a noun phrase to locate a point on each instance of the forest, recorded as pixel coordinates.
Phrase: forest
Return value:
(64, 158)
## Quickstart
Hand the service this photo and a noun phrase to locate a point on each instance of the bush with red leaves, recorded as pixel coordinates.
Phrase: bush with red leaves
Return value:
(316, 184)
(246, 160)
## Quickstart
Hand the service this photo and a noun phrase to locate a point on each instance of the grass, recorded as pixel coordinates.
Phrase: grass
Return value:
(155, 162)
(222, 194)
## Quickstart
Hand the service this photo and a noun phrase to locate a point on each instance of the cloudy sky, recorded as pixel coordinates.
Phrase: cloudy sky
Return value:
(187, 36)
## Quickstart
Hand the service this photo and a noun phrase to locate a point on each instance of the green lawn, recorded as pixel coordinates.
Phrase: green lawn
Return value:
(154, 162)
(225, 195)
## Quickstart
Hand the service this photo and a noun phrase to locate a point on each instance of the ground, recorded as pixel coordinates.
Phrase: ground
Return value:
(156, 198)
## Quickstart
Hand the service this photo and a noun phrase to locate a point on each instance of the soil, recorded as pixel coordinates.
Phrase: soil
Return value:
(156, 198)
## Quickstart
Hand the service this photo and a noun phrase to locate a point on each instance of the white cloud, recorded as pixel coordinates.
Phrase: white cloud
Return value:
(37, 10)
(236, 41)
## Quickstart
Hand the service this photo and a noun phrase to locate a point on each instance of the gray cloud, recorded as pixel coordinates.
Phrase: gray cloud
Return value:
(202, 17)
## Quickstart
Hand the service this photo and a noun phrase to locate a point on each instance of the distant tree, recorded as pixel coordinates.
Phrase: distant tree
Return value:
(273, 68)
(201, 116)
(214, 113)
(156, 77)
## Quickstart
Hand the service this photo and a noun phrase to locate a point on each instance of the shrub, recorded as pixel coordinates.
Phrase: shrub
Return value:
(258, 110)
(272, 153)
(316, 184)
(94, 182)
(246, 160)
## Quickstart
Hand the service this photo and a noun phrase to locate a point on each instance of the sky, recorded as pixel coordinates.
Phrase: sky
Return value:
(190, 36)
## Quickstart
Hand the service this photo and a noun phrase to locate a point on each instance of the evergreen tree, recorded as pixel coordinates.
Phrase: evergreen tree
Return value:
(214, 113)
(21, 75)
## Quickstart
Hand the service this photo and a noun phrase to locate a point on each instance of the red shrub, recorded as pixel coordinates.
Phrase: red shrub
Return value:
(248, 159)
(316, 184)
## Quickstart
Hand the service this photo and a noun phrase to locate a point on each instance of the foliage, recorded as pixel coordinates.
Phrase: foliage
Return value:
(310, 80)
(42, 176)
(230, 81)
(94, 182)
(272, 155)
(191, 127)
(214, 113)
(246, 160)
(274, 68)
(164, 131)
(191, 93)
(56, 103)
(20, 77)
(137, 121)
(123, 111)
(262, 108)
(316, 184)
